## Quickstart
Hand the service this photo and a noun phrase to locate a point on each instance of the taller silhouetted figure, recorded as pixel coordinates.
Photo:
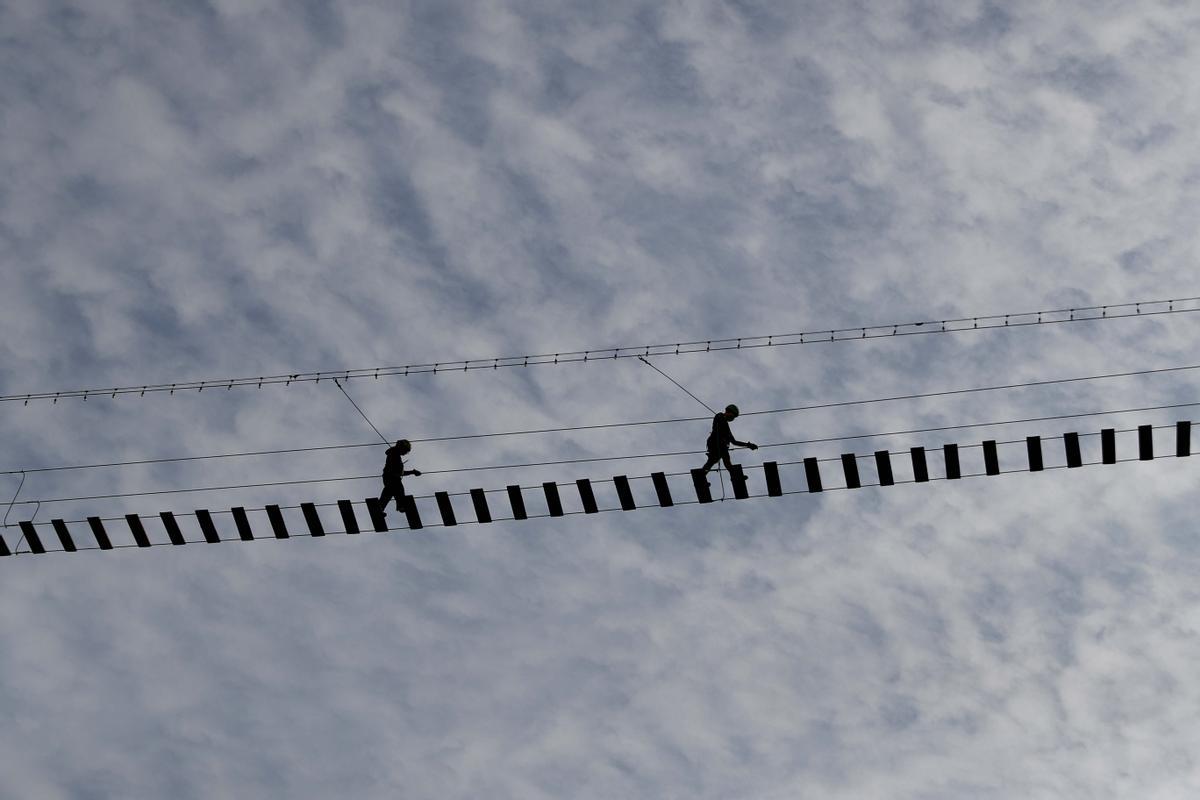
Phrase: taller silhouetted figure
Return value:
(721, 437)
(393, 474)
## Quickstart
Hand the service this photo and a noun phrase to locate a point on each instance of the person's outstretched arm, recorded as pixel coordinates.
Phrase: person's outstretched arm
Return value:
(416, 472)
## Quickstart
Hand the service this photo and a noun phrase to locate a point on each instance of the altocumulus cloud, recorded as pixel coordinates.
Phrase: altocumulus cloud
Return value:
(236, 188)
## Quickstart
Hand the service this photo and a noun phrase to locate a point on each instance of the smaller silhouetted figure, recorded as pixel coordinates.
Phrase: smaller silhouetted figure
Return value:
(721, 437)
(393, 474)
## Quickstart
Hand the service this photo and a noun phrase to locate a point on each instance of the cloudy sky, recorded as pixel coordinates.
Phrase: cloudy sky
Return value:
(242, 187)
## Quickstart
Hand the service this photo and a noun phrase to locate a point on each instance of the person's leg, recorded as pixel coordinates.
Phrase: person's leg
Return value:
(712, 459)
(401, 497)
(727, 462)
(385, 496)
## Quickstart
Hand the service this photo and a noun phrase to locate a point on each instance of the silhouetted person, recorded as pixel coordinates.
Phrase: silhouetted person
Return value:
(721, 437)
(393, 475)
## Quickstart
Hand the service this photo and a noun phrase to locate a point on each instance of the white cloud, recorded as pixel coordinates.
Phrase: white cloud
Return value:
(249, 188)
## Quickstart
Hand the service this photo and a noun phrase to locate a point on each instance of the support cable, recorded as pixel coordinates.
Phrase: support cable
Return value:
(677, 383)
(375, 477)
(1146, 308)
(360, 411)
(611, 425)
(632, 478)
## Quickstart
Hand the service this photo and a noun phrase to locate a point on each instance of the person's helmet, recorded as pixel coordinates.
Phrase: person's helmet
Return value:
(404, 445)
(732, 410)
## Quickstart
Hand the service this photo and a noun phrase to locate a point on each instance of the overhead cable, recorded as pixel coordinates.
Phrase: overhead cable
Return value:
(600, 459)
(674, 474)
(1146, 308)
(611, 425)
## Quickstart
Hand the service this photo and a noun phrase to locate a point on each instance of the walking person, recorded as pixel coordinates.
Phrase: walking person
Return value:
(722, 437)
(393, 475)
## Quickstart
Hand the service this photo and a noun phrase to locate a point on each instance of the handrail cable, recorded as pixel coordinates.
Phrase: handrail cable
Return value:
(348, 478)
(610, 425)
(631, 478)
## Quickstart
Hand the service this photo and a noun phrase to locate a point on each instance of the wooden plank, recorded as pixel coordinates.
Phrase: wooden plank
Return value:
(172, 528)
(771, 472)
(920, 466)
(624, 493)
(1033, 446)
(953, 469)
(279, 525)
(64, 535)
(1183, 439)
(98, 531)
(349, 521)
(991, 459)
(812, 473)
(553, 501)
(850, 469)
(31, 536)
(377, 514)
(446, 508)
(517, 501)
(738, 478)
(412, 513)
(243, 523)
(1145, 443)
(312, 519)
(207, 527)
(662, 489)
(587, 496)
(1108, 446)
(479, 500)
(700, 481)
(1074, 456)
(137, 529)
(883, 463)
(4, 551)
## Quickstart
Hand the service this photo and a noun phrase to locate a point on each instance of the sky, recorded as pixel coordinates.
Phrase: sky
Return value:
(200, 190)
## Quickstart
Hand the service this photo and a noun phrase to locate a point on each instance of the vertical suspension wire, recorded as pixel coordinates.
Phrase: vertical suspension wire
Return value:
(12, 503)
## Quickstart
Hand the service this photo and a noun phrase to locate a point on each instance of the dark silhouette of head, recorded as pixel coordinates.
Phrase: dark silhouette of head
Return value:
(731, 411)
(404, 446)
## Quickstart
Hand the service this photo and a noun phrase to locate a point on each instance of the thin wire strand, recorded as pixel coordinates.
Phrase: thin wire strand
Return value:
(677, 383)
(612, 425)
(10, 508)
(1145, 308)
(631, 478)
(360, 411)
(13, 502)
(373, 477)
